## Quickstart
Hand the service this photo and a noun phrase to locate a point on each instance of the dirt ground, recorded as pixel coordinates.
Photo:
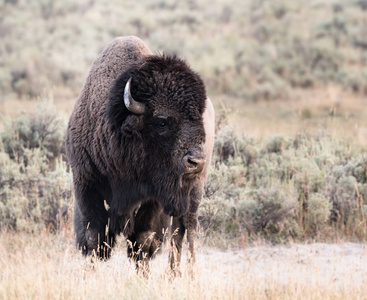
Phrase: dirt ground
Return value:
(317, 266)
(314, 265)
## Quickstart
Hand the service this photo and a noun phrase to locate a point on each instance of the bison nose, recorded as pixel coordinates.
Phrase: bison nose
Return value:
(193, 164)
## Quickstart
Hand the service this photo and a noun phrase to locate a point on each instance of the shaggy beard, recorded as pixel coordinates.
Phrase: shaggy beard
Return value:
(174, 195)
(170, 188)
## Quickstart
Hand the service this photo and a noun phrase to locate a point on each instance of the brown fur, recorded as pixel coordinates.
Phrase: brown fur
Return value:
(131, 161)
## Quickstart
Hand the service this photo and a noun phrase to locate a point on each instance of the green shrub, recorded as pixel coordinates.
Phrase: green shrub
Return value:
(32, 198)
(292, 188)
(318, 212)
(267, 210)
(43, 130)
(35, 184)
(229, 146)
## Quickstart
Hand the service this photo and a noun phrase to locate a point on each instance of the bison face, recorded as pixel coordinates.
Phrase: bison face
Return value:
(174, 158)
(156, 112)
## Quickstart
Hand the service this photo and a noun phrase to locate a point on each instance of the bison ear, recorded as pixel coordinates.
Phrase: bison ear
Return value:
(126, 129)
(132, 125)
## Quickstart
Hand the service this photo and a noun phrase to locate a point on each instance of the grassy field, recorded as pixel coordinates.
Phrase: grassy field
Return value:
(48, 267)
(284, 214)
(252, 50)
(237, 257)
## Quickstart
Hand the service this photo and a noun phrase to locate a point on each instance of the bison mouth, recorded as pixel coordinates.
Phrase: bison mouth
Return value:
(174, 187)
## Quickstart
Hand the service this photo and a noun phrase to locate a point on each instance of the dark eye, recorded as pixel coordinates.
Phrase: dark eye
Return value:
(162, 123)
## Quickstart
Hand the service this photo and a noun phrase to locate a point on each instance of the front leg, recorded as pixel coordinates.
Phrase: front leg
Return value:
(176, 235)
(192, 223)
(190, 220)
(91, 223)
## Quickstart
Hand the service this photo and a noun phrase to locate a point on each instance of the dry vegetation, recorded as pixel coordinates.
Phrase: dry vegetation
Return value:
(307, 186)
(288, 79)
(48, 267)
(253, 50)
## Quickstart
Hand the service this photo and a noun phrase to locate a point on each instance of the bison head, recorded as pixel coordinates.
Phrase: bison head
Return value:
(155, 112)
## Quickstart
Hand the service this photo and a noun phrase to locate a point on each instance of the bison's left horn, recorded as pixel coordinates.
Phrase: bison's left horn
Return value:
(132, 105)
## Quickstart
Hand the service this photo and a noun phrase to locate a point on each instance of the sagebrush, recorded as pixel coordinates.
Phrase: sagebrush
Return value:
(307, 186)
(254, 49)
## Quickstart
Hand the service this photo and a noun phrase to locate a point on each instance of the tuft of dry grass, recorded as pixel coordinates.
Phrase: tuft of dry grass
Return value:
(49, 267)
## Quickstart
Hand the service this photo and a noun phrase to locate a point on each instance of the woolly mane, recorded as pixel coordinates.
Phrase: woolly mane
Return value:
(166, 76)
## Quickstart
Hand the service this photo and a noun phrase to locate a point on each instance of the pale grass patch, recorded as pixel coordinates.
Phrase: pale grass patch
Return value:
(341, 114)
(48, 267)
(13, 107)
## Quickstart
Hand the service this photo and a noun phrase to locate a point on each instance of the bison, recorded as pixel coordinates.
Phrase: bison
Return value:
(139, 143)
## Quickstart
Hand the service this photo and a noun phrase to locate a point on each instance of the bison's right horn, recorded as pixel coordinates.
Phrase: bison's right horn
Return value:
(132, 105)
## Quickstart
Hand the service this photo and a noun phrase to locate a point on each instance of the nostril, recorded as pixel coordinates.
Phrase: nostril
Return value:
(192, 163)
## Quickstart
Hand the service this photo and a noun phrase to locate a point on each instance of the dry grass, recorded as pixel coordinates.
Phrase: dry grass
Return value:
(48, 267)
(341, 114)
(12, 107)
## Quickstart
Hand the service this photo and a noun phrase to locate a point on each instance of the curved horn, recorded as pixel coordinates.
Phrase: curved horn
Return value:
(132, 105)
